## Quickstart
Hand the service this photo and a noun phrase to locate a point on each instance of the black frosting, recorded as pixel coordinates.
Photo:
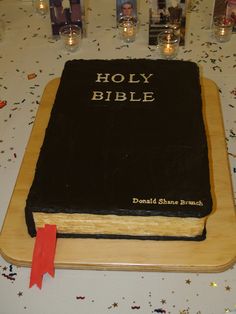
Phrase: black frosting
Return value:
(98, 155)
(133, 237)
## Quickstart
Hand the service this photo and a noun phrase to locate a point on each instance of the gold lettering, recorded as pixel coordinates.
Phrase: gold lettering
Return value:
(135, 200)
(97, 95)
(117, 78)
(148, 96)
(146, 77)
(102, 77)
(163, 201)
(131, 78)
(132, 94)
(123, 96)
(120, 96)
(108, 95)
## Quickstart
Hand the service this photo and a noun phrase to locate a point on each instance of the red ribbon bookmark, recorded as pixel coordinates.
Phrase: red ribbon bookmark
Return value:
(43, 255)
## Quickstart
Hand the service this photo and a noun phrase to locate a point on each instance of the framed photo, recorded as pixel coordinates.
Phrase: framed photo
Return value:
(227, 8)
(167, 14)
(64, 12)
(126, 8)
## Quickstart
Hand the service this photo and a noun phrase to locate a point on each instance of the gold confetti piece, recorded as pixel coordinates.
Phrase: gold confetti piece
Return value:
(213, 284)
(188, 281)
(31, 76)
(227, 288)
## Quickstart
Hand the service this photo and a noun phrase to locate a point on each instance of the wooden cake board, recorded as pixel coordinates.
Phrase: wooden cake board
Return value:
(216, 253)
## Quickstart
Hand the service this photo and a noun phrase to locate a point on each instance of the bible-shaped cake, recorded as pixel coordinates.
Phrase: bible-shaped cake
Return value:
(125, 153)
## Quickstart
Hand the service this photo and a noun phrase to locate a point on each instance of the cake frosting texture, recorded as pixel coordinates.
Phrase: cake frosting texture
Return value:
(126, 138)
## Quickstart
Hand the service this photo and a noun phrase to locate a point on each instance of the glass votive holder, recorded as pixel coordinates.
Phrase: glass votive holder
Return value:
(41, 6)
(223, 28)
(71, 37)
(168, 44)
(2, 30)
(127, 29)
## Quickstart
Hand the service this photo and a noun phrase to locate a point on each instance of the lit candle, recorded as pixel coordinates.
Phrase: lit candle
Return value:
(168, 44)
(222, 31)
(71, 37)
(127, 28)
(223, 28)
(41, 6)
(168, 50)
(72, 42)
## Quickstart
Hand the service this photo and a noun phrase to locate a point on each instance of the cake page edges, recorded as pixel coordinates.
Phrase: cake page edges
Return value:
(90, 224)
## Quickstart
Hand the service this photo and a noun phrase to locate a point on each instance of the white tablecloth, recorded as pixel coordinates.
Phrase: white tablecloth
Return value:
(28, 48)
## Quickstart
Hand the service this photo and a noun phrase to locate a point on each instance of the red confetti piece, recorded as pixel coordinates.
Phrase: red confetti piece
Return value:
(31, 76)
(3, 103)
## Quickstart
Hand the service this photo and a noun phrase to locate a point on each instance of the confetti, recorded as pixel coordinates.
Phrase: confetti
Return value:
(213, 284)
(184, 312)
(232, 134)
(3, 103)
(8, 277)
(217, 60)
(80, 298)
(217, 67)
(233, 92)
(31, 76)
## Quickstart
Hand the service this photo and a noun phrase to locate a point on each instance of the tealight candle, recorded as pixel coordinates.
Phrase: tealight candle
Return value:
(41, 6)
(223, 28)
(71, 37)
(168, 44)
(127, 29)
(72, 42)
(168, 50)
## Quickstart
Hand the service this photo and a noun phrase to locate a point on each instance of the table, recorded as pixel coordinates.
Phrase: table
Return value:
(29, 49)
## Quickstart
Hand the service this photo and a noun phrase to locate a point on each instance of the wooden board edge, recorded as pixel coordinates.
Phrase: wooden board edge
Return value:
(128, 267)
(112, 266)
